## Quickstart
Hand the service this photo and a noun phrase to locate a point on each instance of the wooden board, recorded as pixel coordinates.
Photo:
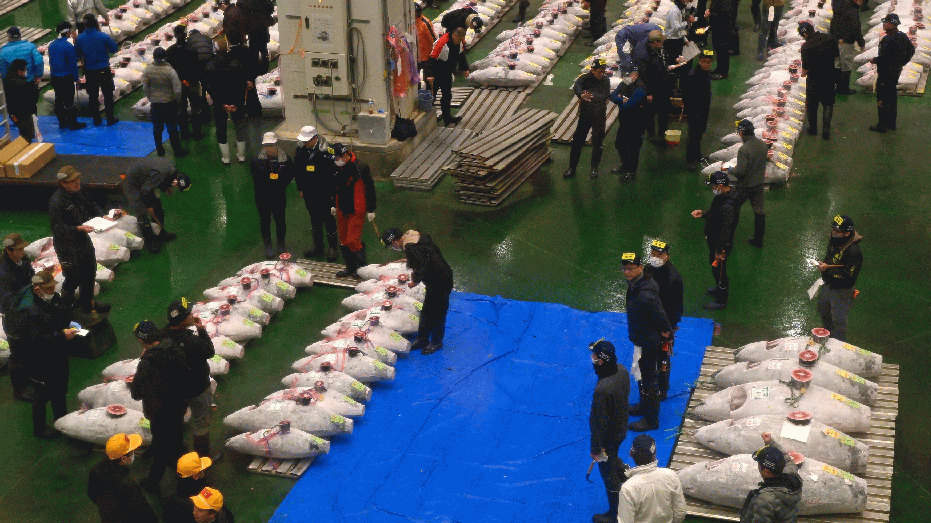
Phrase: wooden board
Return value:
(282, 468)
(423, 168)
(489, 106)
(8, 5)
(919, 89)
(29, 34)
(880, 438)
(325, 274)
(566, 122)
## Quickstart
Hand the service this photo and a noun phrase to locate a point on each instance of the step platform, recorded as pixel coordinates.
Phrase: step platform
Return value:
(880, 438)
(280, 468)
(325, 274)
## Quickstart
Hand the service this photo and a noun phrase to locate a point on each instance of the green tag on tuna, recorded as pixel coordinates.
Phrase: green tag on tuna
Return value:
(396, 337)
(418, 305)
(229, 344)
(381, 350)
(349, 400)
(248, 323)
(281, 285)
(358, 386)
(144, 423)
(217, 358)
(337, 419)
(301, 273)
(379, 365)
(267, 298)
(100, 267)
(4, 345)
(114, 247)
(131, 236)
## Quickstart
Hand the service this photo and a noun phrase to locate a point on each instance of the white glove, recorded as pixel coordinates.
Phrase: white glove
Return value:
(370, 216)
(333, 211)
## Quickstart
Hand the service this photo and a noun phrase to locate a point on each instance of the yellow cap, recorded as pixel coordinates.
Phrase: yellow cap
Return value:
(208, 499)
(122, 444)
(190, 464)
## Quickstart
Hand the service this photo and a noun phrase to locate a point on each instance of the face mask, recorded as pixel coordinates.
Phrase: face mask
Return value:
(716, 191)
(132, 457)
(340, 163)
(656, 262)
(395, 248)
(627, 80)
(47, 297)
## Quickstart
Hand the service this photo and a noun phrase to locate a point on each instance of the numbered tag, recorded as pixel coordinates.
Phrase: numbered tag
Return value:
(791, 347)
(114, 247)
(775, 364)
(337, 419)
(753, 422)
(349, 400)
(759, 393)
(856, 349)
(379, 365)
(100, 267)
(786, 135)
(738, 467)
(381, 350)
(267, 298)
(301, 273)
(131, 236)
(418, 305)
(145, 423)
(94, 414)
(414, 318)
(358, 386)
(844, 374)
(248, 323)
(846, 401)
(795, 120)
(255, 312)
(781, 165)
(396, 337)
(229, 344)
(4, 346)
(357, 324)
(217, 358)
(838, 472)
(114, 386)
(281, 285)
(310, 168)
(274, 406)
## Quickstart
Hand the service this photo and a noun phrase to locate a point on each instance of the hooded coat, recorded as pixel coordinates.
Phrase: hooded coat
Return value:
(776, 501)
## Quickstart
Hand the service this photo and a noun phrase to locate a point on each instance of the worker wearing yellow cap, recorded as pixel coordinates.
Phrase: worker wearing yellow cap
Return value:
(191, 476)
(112, 488)
(208, 507)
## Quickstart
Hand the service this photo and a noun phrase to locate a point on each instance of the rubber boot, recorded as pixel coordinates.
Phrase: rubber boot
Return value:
(159, 148)
(202, 448)
(352, 263)
(362, 258)
(175, 141)
(611, 515)
(650, 408)
(759, 228)
(151, 241)
(812, 122)
(241, 151)
(225, 153)
(521, 11)
(636, 409)
(269, 249)
(332, 254)
(282, 246)
(720, 300)
(826, 124)
(662, 378)
(317, 248)
(843, 83)
(596, 161)
(74, 124)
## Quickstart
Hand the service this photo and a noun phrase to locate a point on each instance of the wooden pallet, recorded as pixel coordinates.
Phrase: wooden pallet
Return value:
(423, 168)
(8, 5)
(325, 274)
(488, 107)
(30, 34)
(281, 468)
(880, 438)
(566, 122)
(460, 95)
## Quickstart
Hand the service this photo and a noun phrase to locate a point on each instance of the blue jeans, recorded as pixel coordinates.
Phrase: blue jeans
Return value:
(768, 29)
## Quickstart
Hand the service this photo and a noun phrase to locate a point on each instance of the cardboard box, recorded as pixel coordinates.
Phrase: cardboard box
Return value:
(11, 150)
(28, 162)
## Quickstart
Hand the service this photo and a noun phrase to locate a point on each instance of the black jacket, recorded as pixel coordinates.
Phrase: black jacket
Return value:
(117, 495)
(202, 46)
(66, 212)
(631, 113)
(895, 51)
(197, 350)
(696, 94)
(776, 499)
(184, 60)
(457, 18)
(180, 510)
(142, 180)
(846, 23)
(818, 54)
(35, 323)
(226, 80)
(428, 265)
(271, 176)
(600, 91)
(349, 192)
(315, 174)
(646, 318)
(189, 486)
(12, 279)
(671, 290)
(653, 72)
(608, 417)
(161, 371)
(721, 221)
(847, 254)
(21, 95)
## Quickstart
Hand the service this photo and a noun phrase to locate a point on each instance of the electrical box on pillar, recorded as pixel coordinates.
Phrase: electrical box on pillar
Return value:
(344, 58)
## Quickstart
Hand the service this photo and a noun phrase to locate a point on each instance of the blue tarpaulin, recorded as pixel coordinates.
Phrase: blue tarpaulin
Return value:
(129, 139)
(492, 428)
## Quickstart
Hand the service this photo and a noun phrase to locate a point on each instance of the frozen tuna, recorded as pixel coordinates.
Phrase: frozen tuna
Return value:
(374, 270)
(227, 348)
(112, 393)
(310, 418)
(840, 354)
(98, 425)
(823, 374)
(245, 291)
(276, 444)
(330, 400)
(243, 309)
(380, 335)
(125, 368)
(395, 319)
(825, 488)
(772, 397)
(398, 300)
(332, 380)
(808, 437)
(401, 281)
(358, 342)
(233, 326)
(350, 361)
(281, 270)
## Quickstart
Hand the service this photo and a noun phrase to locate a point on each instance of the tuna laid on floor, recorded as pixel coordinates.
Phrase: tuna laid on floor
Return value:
(844, 355)
(380, 335)
(282, 270)
(103, 394)
(397, 320)
(276, 444)
(332, 380)
(368, 348)
(772, 397)
(125, 368)
(98, 425)
(330, 400)
(395, 295)
(309, 418)
(813, 439)
(825, 489)
(350, 361)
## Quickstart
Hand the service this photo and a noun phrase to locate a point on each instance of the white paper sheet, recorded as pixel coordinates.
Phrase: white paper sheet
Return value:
(813, 290)
(100, 224)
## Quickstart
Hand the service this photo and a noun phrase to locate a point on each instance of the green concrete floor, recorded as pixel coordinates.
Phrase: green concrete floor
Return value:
(553, 241)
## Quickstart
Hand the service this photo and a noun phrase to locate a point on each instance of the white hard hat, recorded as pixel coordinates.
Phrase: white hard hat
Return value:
(269, 139)
(308, 132)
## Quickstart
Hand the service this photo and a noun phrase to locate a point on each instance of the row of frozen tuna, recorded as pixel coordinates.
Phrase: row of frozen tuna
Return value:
(233, 313)
(810, 392)
(527, 53)
(488, 10)
(775, 98)
(911, 13)
(330, 385)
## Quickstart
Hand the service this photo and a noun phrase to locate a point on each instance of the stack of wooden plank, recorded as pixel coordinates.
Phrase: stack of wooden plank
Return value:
(423, 168)
(488, 107)
(568, 120)
(490, 167)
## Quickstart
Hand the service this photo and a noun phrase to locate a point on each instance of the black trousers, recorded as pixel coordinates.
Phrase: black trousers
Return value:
(320, 219)
(887, 100)
(659, 108)
(49, 391)
(19, 374)
(588, 122)
(598, 24)
(258, 45)
(611, 471)
(269, 206)
(628, 143)
(64, 99)
(167, 426)
(673, 49)
(151, 201)
(165, 115)
(27, 128)
(190, 96)
(79, 274)
(432, 326)
(97, 80)
(698, 123)
(649, 366)
(721, 41)
(240, 125)
(444, 81)
(718, 268)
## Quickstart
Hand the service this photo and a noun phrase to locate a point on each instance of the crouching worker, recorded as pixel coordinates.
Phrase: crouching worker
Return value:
(139, 187)
(428, 265)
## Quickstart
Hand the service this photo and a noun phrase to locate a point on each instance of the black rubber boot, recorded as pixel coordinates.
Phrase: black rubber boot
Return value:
(759, 228)
(720, 300)
(636, 409)
(317, 248)
(812, 122)
(332, 254)
(596, 160)
(650, 419)
(175, 141)
(826, 124)
(202, 448)
(151, 241)
(352, 263)
(521, 11)
(362, 256)
(843, 83)
(269, 249)
(662, 378)
(611, 515)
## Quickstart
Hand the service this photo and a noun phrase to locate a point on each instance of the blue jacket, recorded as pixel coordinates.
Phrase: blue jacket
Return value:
(62, 58)
(35, 66)
(633, 34)
(95, 47)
